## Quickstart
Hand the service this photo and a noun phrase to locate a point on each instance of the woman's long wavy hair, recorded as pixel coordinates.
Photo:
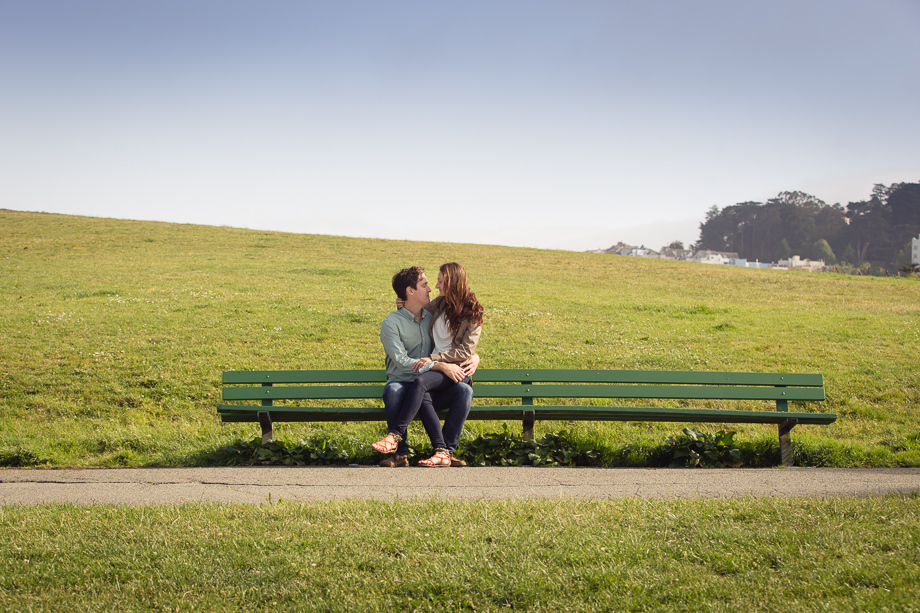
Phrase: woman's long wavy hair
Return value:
(460, 304)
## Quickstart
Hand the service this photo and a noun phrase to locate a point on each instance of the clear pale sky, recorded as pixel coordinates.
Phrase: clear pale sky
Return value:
(558, 124)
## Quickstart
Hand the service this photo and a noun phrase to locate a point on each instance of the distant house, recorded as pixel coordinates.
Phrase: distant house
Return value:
(705, 256)
(620, 249)
(743, 263)
(915, 250)
(669, 253)
(629, 250)
(797, 263)
(642, 252)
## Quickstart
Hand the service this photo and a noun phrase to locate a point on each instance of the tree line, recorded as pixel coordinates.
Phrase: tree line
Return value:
(871, 235)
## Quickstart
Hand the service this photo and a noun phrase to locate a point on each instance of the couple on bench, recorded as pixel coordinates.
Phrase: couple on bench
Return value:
(430, 360)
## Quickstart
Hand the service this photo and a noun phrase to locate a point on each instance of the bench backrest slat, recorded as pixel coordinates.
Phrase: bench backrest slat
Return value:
(317, 392)
(304, 376)
(505, 390)
(647, 377)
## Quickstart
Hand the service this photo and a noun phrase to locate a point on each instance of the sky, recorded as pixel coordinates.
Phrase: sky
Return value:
(569, 124)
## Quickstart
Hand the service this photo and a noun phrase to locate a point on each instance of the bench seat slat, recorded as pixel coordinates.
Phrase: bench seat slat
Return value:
(582, 413)
(237, 413)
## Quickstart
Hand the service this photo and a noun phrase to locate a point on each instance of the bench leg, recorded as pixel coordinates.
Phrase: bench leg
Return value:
(528, 426)
(785, 441)
(265, 421)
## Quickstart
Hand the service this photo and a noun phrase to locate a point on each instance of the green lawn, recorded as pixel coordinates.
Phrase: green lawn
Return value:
(856, 554)
(115, 334)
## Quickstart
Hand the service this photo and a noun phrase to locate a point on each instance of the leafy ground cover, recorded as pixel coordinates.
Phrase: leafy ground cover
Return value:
(115, 334)
(855, 554)
(505, 448)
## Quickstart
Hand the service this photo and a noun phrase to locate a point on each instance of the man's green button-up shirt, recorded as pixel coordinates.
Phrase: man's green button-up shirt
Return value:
(405, 340)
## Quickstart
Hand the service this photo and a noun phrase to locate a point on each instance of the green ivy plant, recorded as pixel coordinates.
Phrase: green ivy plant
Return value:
(703, 449)
(691, 449)
(314, 452)
(507, 449)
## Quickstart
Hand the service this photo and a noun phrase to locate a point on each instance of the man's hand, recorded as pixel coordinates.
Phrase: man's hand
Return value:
(470, 365)
(420, 363)
(453, 372)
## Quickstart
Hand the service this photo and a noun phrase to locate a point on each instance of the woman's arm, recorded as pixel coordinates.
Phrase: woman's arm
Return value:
(453, 371)
(462, 348)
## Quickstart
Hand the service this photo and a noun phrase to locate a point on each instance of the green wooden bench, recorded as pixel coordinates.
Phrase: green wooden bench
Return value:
(257, 391)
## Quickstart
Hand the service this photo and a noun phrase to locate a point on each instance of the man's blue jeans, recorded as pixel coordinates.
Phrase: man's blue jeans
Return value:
(456, 399)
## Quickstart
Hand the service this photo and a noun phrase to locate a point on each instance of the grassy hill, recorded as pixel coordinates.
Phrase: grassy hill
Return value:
(115, 334)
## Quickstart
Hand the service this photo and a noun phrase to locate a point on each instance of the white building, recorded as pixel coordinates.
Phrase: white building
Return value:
(797, 263)
(915, 250)
(705, 256)
(669, 253)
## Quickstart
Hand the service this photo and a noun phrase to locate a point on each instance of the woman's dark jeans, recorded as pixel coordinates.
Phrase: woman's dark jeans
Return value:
(455, 397)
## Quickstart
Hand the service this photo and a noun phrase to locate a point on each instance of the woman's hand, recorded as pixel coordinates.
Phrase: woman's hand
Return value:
(453, 372)
(400, 304)
(469, 366)
(420, 363)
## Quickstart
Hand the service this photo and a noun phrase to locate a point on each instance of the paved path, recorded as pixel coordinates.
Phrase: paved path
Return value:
(149, 486)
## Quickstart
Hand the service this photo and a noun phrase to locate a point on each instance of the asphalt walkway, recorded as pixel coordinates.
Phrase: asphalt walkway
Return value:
(153, 486)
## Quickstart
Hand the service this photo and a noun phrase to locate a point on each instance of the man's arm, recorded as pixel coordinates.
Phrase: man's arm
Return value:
(394, 347)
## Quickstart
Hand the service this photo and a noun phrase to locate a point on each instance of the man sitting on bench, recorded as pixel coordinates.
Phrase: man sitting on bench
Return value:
(406, 339)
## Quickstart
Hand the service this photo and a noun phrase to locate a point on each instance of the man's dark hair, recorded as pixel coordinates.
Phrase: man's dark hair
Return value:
(407, 277)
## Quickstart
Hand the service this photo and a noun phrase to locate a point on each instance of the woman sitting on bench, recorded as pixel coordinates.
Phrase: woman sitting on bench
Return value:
(455, 333)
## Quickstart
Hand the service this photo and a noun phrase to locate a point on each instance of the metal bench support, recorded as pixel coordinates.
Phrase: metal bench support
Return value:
(265, 420)
(785, 441)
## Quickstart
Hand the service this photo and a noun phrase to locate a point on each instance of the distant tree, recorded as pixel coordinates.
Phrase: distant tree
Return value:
(902, 258)
(821, 250)
(869, 231)
(716, 231)
(831, 225)
(903, 202)
(755, 230)
(849, 255)
(870, 228)
(783, 252)
(797, 211)
(676, 245)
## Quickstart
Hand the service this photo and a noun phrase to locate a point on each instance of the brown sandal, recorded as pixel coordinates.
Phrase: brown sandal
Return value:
(440, 458)
(394, 461)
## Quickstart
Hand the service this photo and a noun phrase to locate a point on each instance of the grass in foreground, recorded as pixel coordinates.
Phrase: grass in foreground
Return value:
(115, 334)
(859, 554)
